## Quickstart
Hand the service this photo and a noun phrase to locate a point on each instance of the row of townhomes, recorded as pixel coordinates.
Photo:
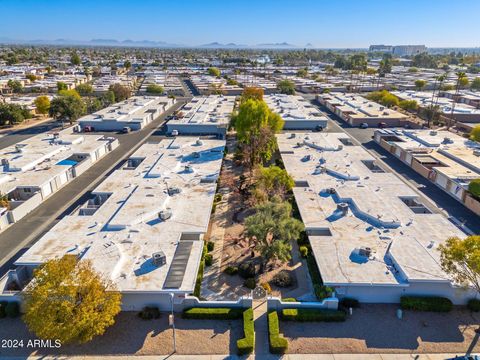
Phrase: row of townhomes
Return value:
(372, 236)
(448, 160)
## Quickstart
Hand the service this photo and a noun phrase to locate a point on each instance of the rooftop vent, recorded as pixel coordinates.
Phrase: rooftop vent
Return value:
(165, 214)
(343, 207)
(365, 251)
(159, 259)
(433, 132)
(173, 190)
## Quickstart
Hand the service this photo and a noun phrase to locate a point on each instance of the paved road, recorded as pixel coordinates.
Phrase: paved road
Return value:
(432, 195)
(16, 239)
(21, 135)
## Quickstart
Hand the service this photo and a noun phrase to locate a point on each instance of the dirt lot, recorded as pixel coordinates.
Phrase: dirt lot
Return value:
(133, 336)
(375, 329)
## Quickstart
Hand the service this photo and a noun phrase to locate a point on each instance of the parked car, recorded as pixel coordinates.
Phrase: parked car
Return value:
(174, 132)
(318, 128)
(88, 128)
(363, 126)
(382, 125)
(126, 130)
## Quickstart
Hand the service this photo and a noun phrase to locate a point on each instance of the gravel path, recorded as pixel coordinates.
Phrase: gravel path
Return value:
(375, 329)
(133, 336)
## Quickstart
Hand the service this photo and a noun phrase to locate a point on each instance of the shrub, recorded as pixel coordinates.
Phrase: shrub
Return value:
(349, 303)
(313, 315)
(213, 313)
(322, 291)
(278, 344)
(474, 305)
(208, 260)
(210, 246)
(283, 279)
(149, 313)
(289, 300)
(3, 305)
(12, 309)
(246, 344)
(250, 283)
(218, 197)
(247, 270)
(267, 288)
(231, 270)
(198, 283)
(426, 303)
(303, 251)
(474, 188)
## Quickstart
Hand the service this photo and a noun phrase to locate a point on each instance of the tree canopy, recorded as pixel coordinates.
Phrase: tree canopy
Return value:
(69, 301)
(68, 107)
(420, 84)
(475, 134)
(213, 71)
(84, 89)
(11, 114)
(42, 104)
(120, 91)
(155, 89)
(273, 181)
(255, 93)
(286, 87)
(461, 259)
(383, 97)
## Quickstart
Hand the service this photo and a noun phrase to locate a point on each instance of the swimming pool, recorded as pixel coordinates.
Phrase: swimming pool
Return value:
(67, 162)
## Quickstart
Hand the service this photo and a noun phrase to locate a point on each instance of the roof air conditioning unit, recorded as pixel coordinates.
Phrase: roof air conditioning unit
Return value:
(343, 207)
(165, 214)
(365, 251)
(159, 258)
(476, 152)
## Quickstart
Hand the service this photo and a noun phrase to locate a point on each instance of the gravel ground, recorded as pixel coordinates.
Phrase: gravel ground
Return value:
(375, 329)
(133, 336)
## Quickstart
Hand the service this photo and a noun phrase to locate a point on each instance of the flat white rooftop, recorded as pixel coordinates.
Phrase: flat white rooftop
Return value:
(120, 228)
(384, 215)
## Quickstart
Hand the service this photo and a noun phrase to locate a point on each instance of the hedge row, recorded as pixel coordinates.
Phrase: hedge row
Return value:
(278, 344)
(213, 313)
(426, 303)
(313, 315)
(201, 268)
(246, 345)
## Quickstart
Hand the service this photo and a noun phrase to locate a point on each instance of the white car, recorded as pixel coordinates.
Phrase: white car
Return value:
(363, 126)
(174, 132)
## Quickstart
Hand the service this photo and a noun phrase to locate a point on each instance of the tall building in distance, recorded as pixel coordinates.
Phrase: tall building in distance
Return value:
(399, 50)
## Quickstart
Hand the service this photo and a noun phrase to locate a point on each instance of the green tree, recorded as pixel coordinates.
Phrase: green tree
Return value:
(67, 107)
(11, 114)
(213, 71)
(273, 228)
(108, 98)
(286, 87)
(256, 126)
(31, 77)
(475, 85)
(409, 105)
(303, 73)
(42, 104)
(155, 89)
(127, 64)
(251, 92)
(84, 89)
(75, 59)
(120, 91)
(69, 301)
(420, 84)
(15, 85)
(460, 258)
(273, 181)
(61, 86)
(474, 188)
(475, 134)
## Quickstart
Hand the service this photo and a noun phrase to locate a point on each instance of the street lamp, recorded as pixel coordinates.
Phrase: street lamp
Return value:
(171, 320)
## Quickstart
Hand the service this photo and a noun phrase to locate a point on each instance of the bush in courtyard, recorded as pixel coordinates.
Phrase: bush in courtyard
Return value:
(247, 270)
(213, 313)
(322, 291)
(149, 313)
(426, 303)
(278, 344)
(474, 188)
(349, 303)
(3, 305)
(289, 300)
(267, 288)
(246, 344)
(12, 309)
(303, 251)
(474, 305)
(218, 197)
(250, 283)
(208, 260)
(231, 270)
(210, 246)
(313, 315)
(283, 279)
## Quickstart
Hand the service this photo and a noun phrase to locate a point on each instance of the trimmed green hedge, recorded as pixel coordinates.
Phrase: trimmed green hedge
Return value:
(313, 315)
(426, 303)
(213, 313)
(278, 344)
(246, 345)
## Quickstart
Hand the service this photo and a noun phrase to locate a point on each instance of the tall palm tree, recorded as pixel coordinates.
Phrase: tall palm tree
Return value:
(460, 75)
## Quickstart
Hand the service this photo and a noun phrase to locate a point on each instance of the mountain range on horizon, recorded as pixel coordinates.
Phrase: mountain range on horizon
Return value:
(147, 43)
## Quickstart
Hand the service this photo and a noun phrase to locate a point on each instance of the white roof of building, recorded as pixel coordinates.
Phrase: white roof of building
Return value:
(403, 243)
(206, 110)
(121, 235)
(293, 107)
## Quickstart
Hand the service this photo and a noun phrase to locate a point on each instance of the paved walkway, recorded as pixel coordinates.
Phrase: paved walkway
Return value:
(260, 319)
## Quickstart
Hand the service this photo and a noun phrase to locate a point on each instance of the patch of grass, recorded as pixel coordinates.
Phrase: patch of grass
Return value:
(247, 344)
(313, 315)
(213, 313)
(278, 344)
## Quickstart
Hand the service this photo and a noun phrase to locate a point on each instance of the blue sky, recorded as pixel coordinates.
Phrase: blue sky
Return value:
(323, 23)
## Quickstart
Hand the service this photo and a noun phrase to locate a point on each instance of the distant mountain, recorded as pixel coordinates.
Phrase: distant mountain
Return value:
(284, 45)
(217, 45)
(93, 42)
(309, 45)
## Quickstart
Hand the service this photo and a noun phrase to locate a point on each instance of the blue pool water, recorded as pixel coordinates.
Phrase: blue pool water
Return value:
(67, 162)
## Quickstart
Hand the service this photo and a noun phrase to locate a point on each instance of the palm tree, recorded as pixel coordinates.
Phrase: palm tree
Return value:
(440, 80)
(460, 76)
